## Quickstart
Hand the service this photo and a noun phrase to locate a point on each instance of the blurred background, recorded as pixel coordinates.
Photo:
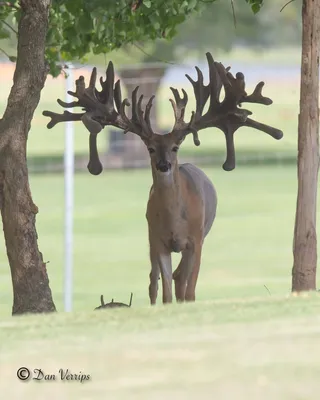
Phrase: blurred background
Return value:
(250, 246)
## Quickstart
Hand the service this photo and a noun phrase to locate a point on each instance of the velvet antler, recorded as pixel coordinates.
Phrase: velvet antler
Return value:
(226, 114)
(106, 107)
(102, 108)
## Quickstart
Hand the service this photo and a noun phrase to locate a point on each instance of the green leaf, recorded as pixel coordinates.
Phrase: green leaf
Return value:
(255, 8)
(85, 23)
(192, 4)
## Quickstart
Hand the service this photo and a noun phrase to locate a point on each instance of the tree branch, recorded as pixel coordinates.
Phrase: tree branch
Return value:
(291, 1)
(10, 27)
(4, 52)
(234, 14)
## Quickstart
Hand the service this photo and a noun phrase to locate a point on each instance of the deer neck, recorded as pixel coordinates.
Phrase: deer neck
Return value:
(168, 191)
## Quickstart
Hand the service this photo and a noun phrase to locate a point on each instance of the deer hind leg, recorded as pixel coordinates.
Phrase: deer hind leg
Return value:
(182, 273)
(190, 294)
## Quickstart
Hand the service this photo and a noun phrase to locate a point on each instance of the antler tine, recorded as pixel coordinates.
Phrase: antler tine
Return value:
(181, 128)
(80, 89)
(67, 105)
(273, 132)
(86, 96)
(134, 105)
(123, 115)
(139, 109)
(201, 92)
(107, 93)
(257, 97)
(179, 106)
(94, 166)
(148, 114)
(93, 79)
(110, 85)
(228, 127)
(56, 118)
(140, 121)
(215, 82)
(121, 105)
(234, 87)
(144, 116)
(117, 95)
(230, 161)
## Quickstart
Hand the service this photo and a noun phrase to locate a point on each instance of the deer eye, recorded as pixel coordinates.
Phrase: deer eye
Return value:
(175, 149)
(151, 150)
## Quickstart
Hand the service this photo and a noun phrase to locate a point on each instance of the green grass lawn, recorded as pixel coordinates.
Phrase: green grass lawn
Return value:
(250, 244)
(258, 348)
(237, 340)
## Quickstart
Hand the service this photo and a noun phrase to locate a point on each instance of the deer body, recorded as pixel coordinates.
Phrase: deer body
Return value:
(182, 201)
(180, 213)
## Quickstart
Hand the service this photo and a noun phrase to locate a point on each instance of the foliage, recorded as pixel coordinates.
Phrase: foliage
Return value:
(239, 25)
(79, 27)
(214, 19)
(255, 5)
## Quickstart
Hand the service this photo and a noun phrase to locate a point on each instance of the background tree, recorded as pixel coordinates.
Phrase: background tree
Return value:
(224, 27)
(48, 35)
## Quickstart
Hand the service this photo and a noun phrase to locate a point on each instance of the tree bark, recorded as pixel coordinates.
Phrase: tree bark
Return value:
(28, 271)
(305, 235)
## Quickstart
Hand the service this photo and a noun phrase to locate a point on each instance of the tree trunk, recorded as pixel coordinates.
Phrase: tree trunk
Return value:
(305, 235)
(29, 276)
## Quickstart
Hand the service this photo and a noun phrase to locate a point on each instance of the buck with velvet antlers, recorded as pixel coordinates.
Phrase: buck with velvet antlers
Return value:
(182, 202)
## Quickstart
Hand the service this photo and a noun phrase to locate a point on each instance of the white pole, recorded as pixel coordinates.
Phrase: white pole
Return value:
(68, 200)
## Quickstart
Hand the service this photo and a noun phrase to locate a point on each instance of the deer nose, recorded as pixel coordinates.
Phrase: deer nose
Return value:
(163, 166)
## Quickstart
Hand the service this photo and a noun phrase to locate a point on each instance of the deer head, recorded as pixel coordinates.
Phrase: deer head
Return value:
(106, 107)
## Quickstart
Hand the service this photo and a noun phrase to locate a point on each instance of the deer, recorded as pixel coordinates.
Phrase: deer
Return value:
(182, 202)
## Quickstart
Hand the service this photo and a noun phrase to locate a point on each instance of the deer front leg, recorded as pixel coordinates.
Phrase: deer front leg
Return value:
(161, 263)
(182, 273)
(166, 276)
(154, 277)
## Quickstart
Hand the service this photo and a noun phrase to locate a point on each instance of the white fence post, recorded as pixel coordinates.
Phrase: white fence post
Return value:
(68, 202)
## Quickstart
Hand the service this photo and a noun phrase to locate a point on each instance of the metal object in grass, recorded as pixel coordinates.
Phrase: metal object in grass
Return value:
(113, 303)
